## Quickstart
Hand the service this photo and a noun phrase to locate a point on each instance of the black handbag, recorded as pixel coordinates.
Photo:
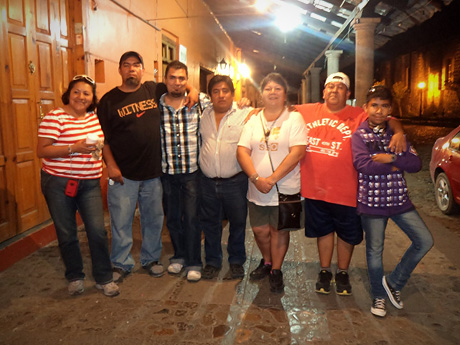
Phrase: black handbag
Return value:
(289, 211)
(289, 205)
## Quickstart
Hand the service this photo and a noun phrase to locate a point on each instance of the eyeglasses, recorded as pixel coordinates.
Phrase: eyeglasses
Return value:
(85, 77)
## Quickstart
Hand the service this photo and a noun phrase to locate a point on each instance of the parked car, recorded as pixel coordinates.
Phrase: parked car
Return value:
(445, 171)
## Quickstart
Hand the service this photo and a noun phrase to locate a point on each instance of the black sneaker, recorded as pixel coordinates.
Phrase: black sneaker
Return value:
(236, 271)
(323, 284)
(210, 272)
(276, 281)
(261, 271)
(119, 274)
(393, 295)
(378, 307)
(342, 284)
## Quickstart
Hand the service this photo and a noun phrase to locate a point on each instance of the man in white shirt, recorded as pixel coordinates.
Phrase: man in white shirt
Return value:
(223, 183)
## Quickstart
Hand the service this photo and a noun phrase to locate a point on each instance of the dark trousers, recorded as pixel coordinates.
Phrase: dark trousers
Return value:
(224, 196)
(181, 197)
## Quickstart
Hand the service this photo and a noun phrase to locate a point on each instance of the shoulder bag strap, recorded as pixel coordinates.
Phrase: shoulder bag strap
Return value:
(266, 135)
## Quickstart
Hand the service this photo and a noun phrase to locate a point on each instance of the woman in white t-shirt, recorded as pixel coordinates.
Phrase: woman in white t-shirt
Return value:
(70, 141)
(287, 139)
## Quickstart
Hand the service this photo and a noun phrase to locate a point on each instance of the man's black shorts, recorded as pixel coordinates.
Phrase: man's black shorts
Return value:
(322, 218)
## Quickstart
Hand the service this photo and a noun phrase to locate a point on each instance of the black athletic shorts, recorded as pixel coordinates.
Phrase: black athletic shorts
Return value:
(322, 218)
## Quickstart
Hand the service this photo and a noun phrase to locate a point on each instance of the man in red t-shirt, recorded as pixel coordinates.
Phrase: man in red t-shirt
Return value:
(329, 180)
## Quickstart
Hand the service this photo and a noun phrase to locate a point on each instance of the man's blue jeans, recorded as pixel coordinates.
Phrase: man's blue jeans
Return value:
(422, 241)
(122, 200)
(224, 196)
(181, 196)
(88, 202)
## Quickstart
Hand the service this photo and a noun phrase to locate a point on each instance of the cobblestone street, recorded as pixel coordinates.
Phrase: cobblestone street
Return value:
(36, 309)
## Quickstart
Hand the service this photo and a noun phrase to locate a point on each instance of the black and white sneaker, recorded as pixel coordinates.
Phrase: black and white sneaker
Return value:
(378, 307)
(393, 295)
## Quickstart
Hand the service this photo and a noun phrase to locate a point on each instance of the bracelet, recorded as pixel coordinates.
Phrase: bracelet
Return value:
(393, 158)
(70, 149)
(253, 178)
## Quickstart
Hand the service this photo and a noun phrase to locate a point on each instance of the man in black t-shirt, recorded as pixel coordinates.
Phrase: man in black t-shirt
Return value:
(130, 119)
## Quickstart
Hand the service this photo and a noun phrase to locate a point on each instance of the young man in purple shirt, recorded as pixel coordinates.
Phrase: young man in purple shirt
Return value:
(382, 195)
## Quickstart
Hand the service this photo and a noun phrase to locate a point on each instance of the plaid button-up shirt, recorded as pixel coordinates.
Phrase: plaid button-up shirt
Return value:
(180, 136)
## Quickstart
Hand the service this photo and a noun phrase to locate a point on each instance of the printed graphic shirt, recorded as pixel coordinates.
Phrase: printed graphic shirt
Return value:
(180, 137)
(131, 125)
(382, 191)
(67, 130)
(287, 131)
(327, 171)
(218, 149)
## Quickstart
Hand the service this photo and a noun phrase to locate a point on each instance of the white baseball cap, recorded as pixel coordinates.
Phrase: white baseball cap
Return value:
(338, 77)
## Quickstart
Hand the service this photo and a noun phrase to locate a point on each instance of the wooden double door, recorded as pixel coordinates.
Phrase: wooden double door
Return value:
(35, 69)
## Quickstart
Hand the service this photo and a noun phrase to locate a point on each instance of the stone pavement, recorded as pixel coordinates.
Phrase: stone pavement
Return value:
(35, 307)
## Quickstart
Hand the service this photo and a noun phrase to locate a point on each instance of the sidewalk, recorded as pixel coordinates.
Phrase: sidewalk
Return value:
(36, 309)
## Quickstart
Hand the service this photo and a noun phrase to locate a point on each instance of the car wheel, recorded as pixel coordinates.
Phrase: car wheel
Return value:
(443, 195)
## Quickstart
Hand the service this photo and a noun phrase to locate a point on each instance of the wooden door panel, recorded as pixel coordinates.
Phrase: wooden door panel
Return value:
(63, 20)
(19, 77)
(7, 226)
(16, 10)
(45, 79)
(42, 16)
(65, 77)
(24, 132)
(26, 195)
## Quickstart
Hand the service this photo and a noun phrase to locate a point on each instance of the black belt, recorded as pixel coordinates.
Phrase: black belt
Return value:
(226, 178)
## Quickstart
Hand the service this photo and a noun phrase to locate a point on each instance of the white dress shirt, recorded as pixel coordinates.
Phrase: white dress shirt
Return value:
(218, 148)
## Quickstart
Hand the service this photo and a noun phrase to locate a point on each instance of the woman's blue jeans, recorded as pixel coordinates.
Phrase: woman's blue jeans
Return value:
(88, 202)
(422, 241)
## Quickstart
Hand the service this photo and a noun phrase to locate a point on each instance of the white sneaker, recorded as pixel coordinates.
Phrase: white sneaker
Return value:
(378, 307)
(175, 268)
(76, 287)
(193, 276)
(110, 289)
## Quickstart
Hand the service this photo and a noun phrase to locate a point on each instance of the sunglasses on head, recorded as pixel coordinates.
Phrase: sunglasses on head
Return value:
(84, 77)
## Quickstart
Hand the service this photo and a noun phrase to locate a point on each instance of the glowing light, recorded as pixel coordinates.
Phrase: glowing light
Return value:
(288, 18)
(433, 92)
(223, 67)
(421, 85)
(244, 70)
(318, 17)
(262, 5)
(336, 24)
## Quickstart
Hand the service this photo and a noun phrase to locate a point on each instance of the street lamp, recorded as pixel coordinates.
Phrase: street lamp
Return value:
(421, 86)
(222, 67)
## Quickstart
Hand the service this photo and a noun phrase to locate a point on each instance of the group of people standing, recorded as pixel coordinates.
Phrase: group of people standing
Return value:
(198, 159)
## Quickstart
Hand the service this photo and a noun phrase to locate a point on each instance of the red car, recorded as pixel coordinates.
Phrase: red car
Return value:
(445, 171)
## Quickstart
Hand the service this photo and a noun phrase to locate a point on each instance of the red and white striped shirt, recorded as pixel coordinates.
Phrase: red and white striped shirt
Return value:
(67, 130)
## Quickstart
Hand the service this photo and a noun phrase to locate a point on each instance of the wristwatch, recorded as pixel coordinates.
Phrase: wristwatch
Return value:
(393, 158)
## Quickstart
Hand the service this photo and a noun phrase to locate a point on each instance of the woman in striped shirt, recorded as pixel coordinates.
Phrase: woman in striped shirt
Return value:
(70, 142)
